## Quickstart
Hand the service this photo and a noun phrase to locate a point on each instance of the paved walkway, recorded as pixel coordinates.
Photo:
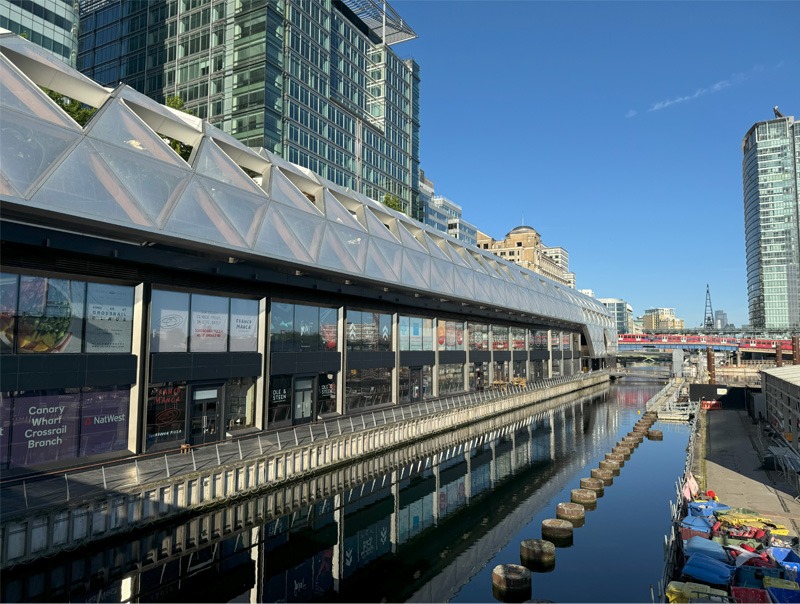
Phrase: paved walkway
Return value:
(734, 452)
(20, 495)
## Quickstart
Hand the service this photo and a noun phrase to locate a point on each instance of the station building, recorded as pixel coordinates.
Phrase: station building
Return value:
(149, 301)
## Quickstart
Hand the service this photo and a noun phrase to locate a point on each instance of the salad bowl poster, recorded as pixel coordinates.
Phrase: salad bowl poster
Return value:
(50, 315)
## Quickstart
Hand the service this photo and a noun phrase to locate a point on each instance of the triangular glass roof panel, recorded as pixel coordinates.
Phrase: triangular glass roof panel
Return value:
(6, 188)
(407, 239)
(244, 211)
(416, 269)
(376, 228)
(455, 256)
(336, 212)
(334, 252)
(118, 125)
(434, 249)
(288, 233)
(151, 183)
(16, 92)
(392, 252)
(464, 284)
(197, 217)
(212, 162)
(442, 276)
(283, 191)
(377, 266)
(472, 261)
(354, 241)
(84, 185)
(29, 147)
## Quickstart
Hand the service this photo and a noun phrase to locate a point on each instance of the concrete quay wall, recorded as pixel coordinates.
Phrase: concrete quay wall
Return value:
(31, 534)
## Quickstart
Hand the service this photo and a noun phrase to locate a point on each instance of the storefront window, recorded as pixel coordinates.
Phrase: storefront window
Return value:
(306, 320)
(240, 402)
(566, 338)
(109, 318)
(368, 387)
(451, 378)
(328, 328)
(518, 338)
(9, 287)
(450, 335)
(555, 340)
(300, 328)
(46, 426)
(169, 321)
(477, 376)
(280, 404)
(538, 340)
(368, 331)
(499, 337)
(281, 328)
(326, 393)
(500, 373)
(478, 336)
(416, 333)
(50, 315)
(244, 325)
(166, 413)
(209, 324)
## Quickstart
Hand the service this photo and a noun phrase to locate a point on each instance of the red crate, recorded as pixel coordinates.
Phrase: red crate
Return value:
(687, 533)
(750, 594)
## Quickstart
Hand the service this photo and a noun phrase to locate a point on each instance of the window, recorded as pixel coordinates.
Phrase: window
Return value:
(299, 328)
(368, 331)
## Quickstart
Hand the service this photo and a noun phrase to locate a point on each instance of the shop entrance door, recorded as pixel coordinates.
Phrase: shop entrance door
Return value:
(204, 420)
(415, 378)
(303, 398)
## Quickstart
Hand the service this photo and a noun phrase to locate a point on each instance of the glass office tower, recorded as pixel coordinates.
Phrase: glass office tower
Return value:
(315, 81)
(771, 179)
(51, 24)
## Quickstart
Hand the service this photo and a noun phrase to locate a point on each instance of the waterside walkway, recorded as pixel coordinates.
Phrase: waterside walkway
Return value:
(735, 448)
(41, 516)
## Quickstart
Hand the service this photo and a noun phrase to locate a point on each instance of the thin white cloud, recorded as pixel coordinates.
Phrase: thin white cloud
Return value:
(734, 80)
(631, 113)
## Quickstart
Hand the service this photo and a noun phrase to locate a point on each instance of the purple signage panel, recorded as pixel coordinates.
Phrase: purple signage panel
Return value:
(45, 428)
(104, 421)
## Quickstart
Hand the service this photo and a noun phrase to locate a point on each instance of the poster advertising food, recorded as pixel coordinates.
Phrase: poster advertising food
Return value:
(244, 325)
(104, 421)
(166, 412)
(45, 428)
(109, 318)
(9, 287)
(50, 315)
(450, 335)
(209, 324)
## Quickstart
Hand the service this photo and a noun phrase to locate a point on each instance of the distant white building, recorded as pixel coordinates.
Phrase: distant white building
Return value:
(622, 313)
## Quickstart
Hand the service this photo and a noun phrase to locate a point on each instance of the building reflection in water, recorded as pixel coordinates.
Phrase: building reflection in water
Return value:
(418, 530)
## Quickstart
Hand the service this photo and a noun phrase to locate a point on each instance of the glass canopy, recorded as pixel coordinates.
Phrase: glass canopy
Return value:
(118, 176)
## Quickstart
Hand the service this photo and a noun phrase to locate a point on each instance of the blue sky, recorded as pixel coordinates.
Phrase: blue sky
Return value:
(612, 128)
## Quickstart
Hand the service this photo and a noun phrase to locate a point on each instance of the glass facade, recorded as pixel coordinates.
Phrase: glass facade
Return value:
(304, 79)
(50, 24)
(771, 185)
(248, 302)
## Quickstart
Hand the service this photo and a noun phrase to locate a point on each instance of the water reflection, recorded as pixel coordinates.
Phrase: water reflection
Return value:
(415, 525)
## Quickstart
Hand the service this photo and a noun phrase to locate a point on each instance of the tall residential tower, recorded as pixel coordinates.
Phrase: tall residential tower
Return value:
(771, 180)
(314, 81)
(51, 24)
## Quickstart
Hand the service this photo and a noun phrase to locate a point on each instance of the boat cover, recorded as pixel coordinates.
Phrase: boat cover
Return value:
(712, 549)
(707, 570)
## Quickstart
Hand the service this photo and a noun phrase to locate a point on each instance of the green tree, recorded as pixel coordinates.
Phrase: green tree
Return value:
(393, 202)
(176, 102)
(75, 109)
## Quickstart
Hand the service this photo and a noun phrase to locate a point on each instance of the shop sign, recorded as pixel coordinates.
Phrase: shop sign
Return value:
(209, 331)
(45, 429)
(166, 413)
(109, 318)
(104, 422)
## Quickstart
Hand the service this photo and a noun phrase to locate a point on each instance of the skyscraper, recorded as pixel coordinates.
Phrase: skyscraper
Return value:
(51, 24)
(315, 81)
(771, 180)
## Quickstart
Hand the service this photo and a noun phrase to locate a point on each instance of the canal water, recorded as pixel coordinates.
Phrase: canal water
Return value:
(430, 531)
